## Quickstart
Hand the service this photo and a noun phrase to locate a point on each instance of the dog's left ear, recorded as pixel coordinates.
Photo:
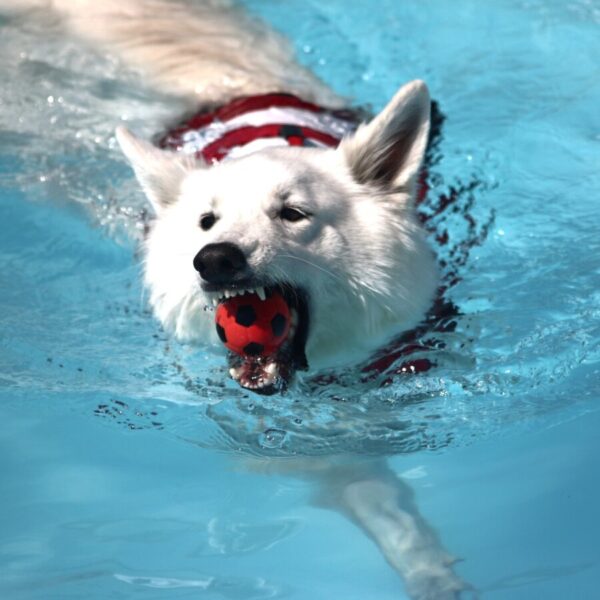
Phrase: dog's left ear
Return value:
(389, 150)
(159, 172)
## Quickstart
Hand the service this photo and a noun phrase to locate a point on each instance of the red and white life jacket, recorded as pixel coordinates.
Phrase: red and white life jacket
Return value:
(253, 123)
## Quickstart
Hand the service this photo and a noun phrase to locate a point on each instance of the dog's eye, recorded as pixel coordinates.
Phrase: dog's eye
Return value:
(207, 221)
(292, 214)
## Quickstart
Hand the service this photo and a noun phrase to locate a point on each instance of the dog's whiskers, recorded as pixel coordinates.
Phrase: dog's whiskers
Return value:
(312, 264)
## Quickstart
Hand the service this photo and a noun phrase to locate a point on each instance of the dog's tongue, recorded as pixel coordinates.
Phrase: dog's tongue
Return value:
(252, 327)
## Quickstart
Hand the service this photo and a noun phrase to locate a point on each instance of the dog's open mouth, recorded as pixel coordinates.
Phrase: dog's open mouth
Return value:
(265, 372)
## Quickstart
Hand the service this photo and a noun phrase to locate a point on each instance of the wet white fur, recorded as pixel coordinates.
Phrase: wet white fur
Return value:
(207, 51)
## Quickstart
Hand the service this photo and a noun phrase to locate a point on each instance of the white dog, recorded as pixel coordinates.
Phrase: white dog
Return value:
(332, 227)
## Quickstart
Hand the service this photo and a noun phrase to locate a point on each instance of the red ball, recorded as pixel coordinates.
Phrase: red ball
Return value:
(250, 326)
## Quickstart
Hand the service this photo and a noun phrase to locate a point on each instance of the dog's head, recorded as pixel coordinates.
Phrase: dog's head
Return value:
(334, 231)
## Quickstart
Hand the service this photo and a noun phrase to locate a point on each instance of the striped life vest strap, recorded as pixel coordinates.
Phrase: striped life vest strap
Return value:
(252, 123)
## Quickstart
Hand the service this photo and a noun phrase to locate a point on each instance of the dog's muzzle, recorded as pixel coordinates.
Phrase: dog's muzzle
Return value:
(225, 273)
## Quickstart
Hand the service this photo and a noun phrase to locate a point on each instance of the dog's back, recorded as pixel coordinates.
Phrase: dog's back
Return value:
(207, 52)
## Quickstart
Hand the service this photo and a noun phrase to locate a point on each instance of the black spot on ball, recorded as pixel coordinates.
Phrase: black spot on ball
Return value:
(221, 334)
(278, 324)
(245, 315)
(253, 349)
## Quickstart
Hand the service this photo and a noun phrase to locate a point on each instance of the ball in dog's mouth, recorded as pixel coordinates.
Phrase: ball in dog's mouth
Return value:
(265, 328)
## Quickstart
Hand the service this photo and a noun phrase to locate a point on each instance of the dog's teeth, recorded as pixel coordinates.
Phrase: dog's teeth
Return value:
(272, 369)
(215, 302)
(235, 373)
(260, 292)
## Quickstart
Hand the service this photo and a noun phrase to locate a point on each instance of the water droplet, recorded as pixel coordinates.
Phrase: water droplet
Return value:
(272, 438)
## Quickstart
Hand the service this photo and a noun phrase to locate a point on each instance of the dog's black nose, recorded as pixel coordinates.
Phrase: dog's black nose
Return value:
(220, 263)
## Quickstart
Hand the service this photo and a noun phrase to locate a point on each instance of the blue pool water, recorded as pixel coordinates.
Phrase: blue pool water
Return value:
(125, 455)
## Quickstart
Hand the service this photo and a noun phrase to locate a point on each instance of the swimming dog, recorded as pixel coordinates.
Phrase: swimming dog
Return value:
(329, 221)
(277, 186)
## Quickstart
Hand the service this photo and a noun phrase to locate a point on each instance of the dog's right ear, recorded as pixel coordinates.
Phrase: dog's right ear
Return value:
(159, 172)
(389, 150)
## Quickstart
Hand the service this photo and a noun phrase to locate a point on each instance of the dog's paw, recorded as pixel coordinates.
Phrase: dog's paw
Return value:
(438, 584)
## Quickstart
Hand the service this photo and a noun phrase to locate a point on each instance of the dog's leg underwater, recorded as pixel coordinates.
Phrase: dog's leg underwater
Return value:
(378, 501)
(383, 506)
